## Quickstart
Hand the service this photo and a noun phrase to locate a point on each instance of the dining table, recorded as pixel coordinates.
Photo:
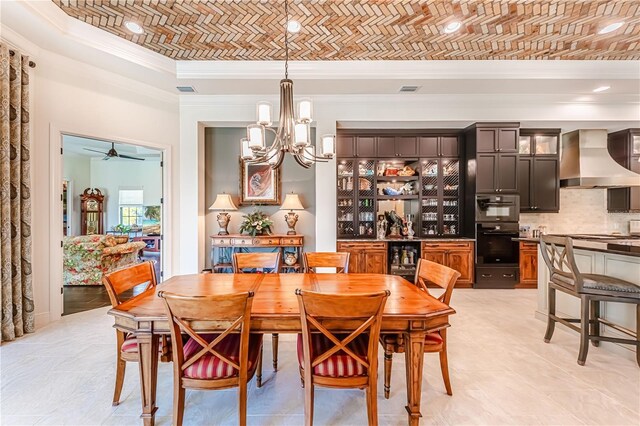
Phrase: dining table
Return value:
(408, 311)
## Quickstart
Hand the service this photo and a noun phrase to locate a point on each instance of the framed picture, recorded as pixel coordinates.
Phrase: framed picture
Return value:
(259, 184)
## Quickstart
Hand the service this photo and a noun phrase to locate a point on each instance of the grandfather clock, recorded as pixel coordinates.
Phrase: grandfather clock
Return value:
(91, 212)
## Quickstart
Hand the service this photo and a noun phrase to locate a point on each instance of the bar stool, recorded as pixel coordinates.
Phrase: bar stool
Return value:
(592, 289)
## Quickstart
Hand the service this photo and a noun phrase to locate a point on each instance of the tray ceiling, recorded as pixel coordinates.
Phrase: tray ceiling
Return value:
(367, 30)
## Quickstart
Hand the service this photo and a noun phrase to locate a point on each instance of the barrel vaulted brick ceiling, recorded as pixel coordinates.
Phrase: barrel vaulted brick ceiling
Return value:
(372, 30)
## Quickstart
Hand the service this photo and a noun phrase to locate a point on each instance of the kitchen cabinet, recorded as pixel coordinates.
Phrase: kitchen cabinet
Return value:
(356, 198)
(365, 146)
(457, 255)
(365, 257)
(539, 170)
(345, 146)
(397, 146)
(496, 173)
(441, 197)
(528, 265)
(497, 139)
(624, 147)
(438, 146)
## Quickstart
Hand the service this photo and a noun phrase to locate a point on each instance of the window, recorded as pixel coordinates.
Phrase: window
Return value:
(131, 209)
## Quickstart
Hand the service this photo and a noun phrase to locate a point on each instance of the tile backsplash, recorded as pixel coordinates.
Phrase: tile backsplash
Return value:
(582, 211)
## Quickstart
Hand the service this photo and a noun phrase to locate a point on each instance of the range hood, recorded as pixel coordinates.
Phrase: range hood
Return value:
(586, 163)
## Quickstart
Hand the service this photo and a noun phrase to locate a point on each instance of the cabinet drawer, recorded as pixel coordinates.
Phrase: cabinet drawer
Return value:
(362, 246)
(221, 241)
(291, 241)
(248, 241)
(447, 245)
(525, 245)
(266, 241)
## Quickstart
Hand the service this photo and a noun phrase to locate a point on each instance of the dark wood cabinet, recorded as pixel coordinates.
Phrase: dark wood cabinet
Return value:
(365, 146)
(496, 173)
(457, 255)
(539, 170)
(386, 146)
(624, 147)
(438, 146)
(507, 173)
(365, 257)
(497, 139)
(406, 146)
(345, 146)
(528, 265)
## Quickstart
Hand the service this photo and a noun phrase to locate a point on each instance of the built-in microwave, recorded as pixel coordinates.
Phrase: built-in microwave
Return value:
(497, 208)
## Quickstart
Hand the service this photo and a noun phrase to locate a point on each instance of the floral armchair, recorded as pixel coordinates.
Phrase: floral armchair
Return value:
(87, 257)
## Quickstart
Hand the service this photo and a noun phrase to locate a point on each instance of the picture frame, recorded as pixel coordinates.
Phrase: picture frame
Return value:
(259, 184)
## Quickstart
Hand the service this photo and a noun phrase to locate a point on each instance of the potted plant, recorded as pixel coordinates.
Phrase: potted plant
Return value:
(122, 233)
(256, 223)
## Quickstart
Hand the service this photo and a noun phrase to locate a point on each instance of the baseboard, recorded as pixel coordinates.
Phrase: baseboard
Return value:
(42, 319)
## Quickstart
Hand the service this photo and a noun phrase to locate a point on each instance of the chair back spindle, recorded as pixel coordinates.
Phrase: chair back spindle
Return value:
(123, 280)
(338, 260)
(262, 261)
(440, 275)
(558, 255)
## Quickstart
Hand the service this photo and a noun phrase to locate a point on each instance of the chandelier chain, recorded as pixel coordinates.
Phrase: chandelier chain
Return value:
(286, 39)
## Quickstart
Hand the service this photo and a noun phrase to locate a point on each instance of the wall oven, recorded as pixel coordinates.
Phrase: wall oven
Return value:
(497, 208)
(497, 255)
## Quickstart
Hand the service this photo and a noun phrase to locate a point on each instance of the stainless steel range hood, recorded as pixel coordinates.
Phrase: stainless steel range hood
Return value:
(586, 163)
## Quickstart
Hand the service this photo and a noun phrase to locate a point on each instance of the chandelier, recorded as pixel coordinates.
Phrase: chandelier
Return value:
(293, 134)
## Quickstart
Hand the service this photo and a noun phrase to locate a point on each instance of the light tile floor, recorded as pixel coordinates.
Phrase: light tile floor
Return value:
(502, 374)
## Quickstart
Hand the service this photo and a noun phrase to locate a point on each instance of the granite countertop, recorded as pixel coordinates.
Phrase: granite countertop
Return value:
(618, 244)
(404, 240)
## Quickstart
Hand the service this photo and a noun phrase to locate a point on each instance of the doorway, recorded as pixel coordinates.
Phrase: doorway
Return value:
(112, 196)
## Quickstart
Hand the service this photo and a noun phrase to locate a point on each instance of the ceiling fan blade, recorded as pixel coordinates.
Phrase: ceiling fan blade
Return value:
(93, 150)
(128, 157)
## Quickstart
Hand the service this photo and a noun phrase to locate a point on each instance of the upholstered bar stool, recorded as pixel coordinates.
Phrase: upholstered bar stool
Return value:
(591, 289)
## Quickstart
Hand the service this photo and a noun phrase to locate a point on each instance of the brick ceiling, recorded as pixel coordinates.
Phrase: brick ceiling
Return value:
(371, 30)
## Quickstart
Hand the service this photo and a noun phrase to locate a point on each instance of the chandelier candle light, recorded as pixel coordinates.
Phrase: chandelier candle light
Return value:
(291, 203)
(223, 202)
(293, 134)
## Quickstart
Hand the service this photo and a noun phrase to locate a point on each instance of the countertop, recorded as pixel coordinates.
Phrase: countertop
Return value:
(626, 245)
(404, 240)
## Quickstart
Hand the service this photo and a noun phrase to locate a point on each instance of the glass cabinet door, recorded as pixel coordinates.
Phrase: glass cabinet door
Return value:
(346, 199)
(366, 199)
(525, 143)
(450, 195)
(546, 145)
(636, 145)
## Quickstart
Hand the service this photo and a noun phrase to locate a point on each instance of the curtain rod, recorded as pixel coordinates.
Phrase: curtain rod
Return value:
(31, 63)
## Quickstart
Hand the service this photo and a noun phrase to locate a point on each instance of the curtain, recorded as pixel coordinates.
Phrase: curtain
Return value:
(16, 289)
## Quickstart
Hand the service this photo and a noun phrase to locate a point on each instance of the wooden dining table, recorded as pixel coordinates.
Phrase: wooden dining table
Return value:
(408, 310)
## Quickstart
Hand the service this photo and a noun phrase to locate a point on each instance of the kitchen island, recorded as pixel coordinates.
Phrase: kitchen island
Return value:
(616, 256)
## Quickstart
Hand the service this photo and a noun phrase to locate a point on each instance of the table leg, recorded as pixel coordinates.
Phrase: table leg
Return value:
(414, 359)
(148, 363)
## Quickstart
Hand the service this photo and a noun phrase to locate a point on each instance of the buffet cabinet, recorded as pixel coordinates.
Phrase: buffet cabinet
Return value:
(366, 257)
(456, 255)
(528, 265)
(372, 257)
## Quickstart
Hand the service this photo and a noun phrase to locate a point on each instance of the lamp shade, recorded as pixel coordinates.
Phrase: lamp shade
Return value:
(223, 202)
(291, 202)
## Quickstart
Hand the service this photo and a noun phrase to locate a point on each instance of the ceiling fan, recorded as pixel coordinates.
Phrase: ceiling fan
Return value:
(113, 153)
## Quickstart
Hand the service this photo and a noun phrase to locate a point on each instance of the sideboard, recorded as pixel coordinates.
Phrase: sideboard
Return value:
(223, 247)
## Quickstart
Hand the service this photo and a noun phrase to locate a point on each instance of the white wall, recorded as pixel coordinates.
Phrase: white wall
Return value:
(77, 170)
(76, 98)
(113, 175)
(333, 111)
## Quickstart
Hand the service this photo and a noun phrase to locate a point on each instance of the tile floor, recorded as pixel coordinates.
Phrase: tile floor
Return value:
(502, 374)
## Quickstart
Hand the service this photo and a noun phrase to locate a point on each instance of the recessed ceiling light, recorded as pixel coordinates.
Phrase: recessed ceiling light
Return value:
(134, 27)
(601, 89)
(293, 26)
(452, 27)
(610, 28)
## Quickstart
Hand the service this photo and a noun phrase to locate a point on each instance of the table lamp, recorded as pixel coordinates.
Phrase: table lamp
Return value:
(223, 202)
(291, 203)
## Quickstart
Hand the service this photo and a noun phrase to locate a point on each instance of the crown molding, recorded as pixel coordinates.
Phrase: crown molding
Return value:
(93, 37)
(407, 70)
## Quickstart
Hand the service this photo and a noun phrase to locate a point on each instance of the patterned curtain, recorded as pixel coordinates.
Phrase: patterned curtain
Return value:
(16, 290)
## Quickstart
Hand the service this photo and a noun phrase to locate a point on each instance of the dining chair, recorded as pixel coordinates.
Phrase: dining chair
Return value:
(265, 262)
(120, 284)
(445, 278)
(337, 260)
(592, 290)
(340, 360)
(212, 361)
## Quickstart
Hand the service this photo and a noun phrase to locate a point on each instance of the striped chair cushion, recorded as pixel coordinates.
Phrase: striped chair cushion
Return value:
(210, 366)
(130, 345)
(429, 339)
(340, 364)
